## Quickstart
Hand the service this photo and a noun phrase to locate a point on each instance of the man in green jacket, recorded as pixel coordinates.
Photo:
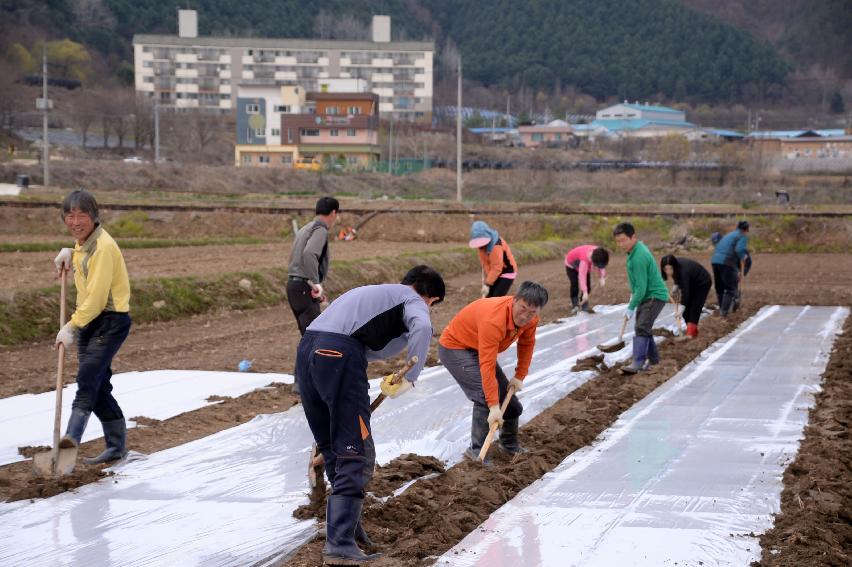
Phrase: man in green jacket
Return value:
(648, 296)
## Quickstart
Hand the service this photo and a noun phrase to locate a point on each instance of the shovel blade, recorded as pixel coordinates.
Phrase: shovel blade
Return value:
(611, 348)
(65, 462)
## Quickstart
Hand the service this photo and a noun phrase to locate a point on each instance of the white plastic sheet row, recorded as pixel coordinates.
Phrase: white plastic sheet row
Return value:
(684, 476)
(228, 499)
(27, 420)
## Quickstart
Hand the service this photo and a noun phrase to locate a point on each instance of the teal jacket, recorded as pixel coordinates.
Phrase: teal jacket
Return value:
(644, 277)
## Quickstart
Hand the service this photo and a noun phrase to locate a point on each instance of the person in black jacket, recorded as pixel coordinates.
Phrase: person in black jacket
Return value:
(693, 282)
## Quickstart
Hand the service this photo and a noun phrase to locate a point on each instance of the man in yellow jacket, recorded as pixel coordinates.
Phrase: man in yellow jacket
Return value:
(100, 323)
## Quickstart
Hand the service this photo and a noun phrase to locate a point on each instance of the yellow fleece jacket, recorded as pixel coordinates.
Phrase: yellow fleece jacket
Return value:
(100, 277)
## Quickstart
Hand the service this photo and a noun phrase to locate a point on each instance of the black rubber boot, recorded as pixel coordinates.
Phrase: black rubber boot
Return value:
(76, 426)
(361, 535)
(509, 437)
(342, 516)
(640, 353)
(115, 437)
(727, 303)
(478, 433)
(585, 307)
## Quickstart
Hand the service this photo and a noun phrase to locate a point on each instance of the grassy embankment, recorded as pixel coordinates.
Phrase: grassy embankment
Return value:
(31, 315)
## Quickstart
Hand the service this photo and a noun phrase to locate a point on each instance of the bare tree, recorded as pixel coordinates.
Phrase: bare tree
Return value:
(204, 127)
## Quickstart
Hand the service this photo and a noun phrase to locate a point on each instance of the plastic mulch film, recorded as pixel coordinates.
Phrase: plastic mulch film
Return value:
(228, 499)
(689, 475)
(27, 419)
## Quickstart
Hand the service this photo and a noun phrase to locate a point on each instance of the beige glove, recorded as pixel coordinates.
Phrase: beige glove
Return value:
(494, 416)
(602, 282)
(518, 384)
(66, 335)
(584, 297)
(485, 290)
(392, 390)
(63, 259)
(316, 291)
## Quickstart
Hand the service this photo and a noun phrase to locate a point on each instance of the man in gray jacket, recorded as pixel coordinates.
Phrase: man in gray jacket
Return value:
(366, 323)
(309, 263)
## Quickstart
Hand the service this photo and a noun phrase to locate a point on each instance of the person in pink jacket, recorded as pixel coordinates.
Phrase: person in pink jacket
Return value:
(579, 263)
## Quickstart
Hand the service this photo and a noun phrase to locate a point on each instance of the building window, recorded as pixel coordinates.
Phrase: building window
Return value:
(252, 108)
(350, 131)
(558, 137)
(276, 132)
(287, 159)
(309, 131)
(333, 132)
(537, 137)
(354, 110)
(333, 110)
(282, 108)
(246, 159)
(290, 135)
(262, 159)
(353, 160)
(259, 132)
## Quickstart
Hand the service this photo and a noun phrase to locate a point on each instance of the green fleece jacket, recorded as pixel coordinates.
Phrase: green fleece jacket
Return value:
(644, 276)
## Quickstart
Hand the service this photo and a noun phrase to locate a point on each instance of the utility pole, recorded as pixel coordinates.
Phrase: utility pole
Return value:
(390, 146)
(45, 104)
(459, 137)
(156, 131)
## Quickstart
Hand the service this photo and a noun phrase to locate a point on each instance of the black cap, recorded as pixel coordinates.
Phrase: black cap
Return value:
(742, 225)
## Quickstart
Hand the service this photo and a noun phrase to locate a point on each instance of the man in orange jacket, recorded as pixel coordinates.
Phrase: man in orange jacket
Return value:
(468, 348)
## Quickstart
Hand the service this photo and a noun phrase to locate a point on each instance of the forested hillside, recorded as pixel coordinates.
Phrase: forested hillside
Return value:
(623, 48)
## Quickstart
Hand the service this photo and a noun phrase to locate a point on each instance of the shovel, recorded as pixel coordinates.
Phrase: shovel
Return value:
(614, 347)
(316, 462)
(57, 461)
(490, 437)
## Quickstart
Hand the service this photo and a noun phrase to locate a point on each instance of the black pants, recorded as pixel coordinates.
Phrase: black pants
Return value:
(305, 307)
(97, 344)
(694, 303)
(646, 314)
(726, 281)
(331, 370)
(574, 278)
(500, 287)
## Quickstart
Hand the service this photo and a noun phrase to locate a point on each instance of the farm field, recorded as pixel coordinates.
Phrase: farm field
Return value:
(569, 411)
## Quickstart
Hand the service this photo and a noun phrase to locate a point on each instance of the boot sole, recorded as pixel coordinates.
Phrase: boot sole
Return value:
(333, 560)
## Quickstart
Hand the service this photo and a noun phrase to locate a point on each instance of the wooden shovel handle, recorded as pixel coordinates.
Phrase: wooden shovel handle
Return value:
(623, 328)
(491, 430)
(60, 367)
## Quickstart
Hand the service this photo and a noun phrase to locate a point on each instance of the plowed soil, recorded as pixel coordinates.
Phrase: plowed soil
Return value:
(815, 523)
(29, 270)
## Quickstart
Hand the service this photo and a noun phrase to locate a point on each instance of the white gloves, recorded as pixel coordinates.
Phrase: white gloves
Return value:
(494, 416)
(66, 335)
(629, 314)
(518, 384)
(316, 291)
(675, 289)
(676, 331)
(63, 259)
(584, 297)
(485, 289)
(392, 390)
(602, 283)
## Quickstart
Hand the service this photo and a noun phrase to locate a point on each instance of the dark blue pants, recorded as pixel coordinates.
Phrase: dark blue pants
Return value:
(97, 344)
(726, 280)
(331, 371)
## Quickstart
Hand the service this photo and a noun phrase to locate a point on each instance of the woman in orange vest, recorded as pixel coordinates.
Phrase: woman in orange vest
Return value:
(499, 269)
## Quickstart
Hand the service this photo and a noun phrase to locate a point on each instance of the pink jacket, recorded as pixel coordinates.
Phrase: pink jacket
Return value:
(578, 259)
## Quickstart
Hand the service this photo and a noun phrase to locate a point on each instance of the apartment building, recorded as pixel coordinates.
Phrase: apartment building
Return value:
(188, 71)
(287, 127)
